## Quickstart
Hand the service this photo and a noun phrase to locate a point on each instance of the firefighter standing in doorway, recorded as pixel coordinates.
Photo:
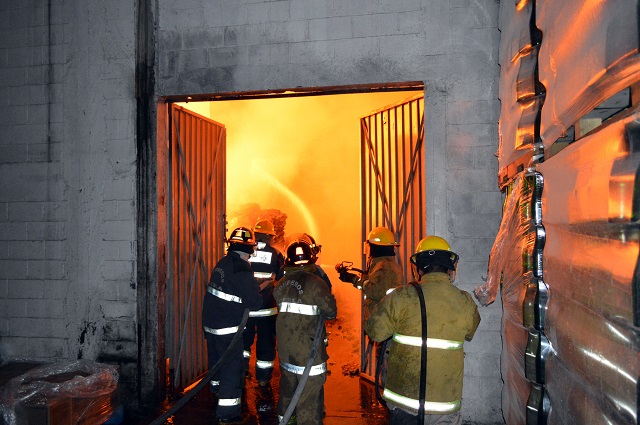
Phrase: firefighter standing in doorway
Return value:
(267, 265)
(302, 299)
(383, 274)
(231, 289)
(451, 317)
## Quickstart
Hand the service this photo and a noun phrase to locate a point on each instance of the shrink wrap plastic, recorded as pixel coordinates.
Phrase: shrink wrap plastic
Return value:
(79, 392)
(565, 260)
(588, 53)
(590, 264)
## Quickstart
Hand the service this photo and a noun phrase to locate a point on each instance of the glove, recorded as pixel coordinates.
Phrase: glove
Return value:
(348, 277)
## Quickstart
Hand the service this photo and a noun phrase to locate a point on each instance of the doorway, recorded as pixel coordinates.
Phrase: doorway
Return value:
(299, 158)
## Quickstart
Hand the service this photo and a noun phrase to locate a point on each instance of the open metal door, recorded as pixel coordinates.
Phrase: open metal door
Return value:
(392, 179)
(196, 221)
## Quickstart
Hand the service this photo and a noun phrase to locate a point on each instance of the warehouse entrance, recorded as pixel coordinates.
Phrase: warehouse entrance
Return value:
(333, 163)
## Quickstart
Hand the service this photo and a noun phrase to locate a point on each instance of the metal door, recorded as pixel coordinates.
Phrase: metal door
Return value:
(392, 158)
(196, 208)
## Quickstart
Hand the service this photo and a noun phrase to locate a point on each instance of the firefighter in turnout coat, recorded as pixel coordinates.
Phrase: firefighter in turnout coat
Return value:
(231, 289)
(452, 317)
(384, 273)
(302, 297)
(267, 265)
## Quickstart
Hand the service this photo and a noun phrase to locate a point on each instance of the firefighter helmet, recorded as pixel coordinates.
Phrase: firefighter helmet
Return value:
(299, 253)
(305, 237)
(382, 236)
(243, 236)
(434, 250)
(264, 226)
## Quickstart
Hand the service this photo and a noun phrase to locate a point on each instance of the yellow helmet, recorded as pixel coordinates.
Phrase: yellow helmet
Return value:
(431, 246)
(264, 226)
(382, 236)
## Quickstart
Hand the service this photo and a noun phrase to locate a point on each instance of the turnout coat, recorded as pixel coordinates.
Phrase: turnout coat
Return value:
(301, 296)
(452, 318)
(384, 275)
(231, 289)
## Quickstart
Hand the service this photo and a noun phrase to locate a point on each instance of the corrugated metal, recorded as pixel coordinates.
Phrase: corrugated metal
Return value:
(196, 204)
(392, 159)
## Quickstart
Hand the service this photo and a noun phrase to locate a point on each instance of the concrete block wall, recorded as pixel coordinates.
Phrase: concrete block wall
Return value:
(208, 47)
(67, 173)
(68, 189)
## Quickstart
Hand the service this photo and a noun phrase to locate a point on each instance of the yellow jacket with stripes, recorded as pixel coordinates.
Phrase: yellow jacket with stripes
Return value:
(452, 318)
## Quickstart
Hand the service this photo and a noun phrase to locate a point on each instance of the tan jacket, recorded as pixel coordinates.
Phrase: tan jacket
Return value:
(452, 318)
(306, 296)
(384, 274)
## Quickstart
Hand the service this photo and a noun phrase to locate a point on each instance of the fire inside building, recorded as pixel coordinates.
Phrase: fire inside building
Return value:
(138, 134)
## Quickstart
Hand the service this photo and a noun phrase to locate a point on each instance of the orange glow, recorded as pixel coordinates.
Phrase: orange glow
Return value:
(585, 17)
(521, 5)
(301, 155)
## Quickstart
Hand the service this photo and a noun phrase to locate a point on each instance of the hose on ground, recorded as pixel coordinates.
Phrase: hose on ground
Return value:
(205, 381)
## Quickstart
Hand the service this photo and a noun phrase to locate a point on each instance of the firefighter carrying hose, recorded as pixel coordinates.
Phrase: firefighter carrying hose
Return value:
(231, 289)
(302, 296)
(267, 265)
(451, 317)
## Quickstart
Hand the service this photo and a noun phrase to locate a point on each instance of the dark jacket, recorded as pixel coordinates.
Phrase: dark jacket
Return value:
(231, 276)
(267, 260)
(296, 331)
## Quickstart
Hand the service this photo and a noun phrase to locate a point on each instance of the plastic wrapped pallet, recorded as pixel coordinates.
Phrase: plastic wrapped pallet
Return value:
(75, 393)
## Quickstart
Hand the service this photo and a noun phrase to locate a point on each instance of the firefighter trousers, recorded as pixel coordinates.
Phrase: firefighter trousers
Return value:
(230, 377)
(265, 330)
(310, 407)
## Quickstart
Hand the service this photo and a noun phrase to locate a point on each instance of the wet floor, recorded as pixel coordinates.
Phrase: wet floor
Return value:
(348, 397)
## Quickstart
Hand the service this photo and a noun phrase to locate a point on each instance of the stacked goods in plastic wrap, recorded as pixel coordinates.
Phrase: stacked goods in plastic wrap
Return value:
(565, 260)
(81, 392)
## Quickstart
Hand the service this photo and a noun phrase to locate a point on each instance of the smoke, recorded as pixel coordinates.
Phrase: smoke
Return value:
(301, 157)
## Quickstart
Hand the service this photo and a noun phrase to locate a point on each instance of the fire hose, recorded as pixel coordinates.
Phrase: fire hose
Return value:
(423, 354)
(205, 381)
(305, 375)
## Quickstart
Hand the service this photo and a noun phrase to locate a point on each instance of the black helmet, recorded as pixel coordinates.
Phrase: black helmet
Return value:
(315, 248)
(299, 253)
(242, 235)
(307, 238)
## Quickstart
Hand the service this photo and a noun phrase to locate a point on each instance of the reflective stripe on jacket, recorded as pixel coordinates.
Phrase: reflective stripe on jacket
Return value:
(297, 308)
(265, 312)
(414, 404)
(452, 317)
(301, 297)
(230, 290)
(223, 295)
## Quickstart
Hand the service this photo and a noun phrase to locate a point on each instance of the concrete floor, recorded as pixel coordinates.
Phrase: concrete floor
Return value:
(348, 397)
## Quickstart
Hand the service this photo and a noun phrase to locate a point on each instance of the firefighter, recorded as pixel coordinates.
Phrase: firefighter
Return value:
(315, 250)
(231, 289)
(267, 265)
(302, 297)
(451, 318)
(383, 274)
